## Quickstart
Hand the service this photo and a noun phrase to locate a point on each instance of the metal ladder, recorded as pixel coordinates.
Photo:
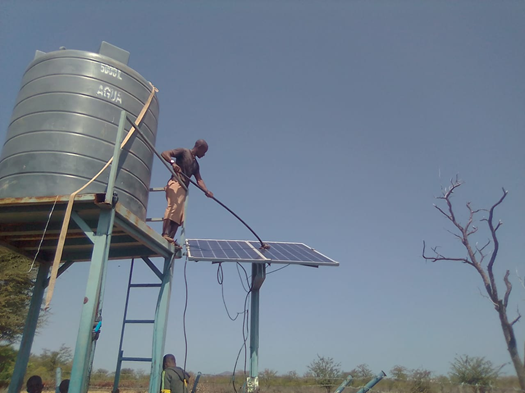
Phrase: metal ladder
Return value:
(125, 321)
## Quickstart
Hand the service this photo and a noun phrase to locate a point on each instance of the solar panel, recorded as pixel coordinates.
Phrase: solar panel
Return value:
(250, 251)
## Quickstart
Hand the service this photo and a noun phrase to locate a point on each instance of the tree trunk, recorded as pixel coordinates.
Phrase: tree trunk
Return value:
(510, 339)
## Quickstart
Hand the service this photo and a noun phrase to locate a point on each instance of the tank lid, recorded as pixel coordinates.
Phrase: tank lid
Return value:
(106, 49)
(39, 53)
(114, 52)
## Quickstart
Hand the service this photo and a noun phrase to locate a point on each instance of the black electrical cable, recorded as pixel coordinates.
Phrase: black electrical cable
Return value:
(220, 274)
(245, 326)
(220, 280)
(246, 275)
(245, 338)
(235, 366)
(276, 270)
(170, 168)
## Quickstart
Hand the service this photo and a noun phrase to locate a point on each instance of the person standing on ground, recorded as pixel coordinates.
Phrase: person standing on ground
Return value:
(185, 161)
(174, 379)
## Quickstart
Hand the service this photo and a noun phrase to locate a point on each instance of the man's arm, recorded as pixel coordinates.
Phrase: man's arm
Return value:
(168, 156)
(202, 185)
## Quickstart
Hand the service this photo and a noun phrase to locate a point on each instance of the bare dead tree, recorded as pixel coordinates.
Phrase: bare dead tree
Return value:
(482, 258)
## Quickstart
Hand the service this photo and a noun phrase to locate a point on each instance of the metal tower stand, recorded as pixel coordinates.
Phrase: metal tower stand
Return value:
(118, 234)
(100, 229)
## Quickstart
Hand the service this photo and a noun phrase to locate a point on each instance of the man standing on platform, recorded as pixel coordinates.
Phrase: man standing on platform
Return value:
(184, 162)
(174, 379)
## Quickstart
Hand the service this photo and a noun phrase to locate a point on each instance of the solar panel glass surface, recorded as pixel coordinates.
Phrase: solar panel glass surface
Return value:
(249, 251)
(292, 252)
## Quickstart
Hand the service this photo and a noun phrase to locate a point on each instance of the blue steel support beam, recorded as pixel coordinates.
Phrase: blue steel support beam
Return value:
(83, 349)
(258, 276)
(29, 330)
(153, 268)
(82, 225)
(100, 302)
(196, 383)
(116, 381)
(116, 159)
(344, 384)
(372, 382)
(159, 328)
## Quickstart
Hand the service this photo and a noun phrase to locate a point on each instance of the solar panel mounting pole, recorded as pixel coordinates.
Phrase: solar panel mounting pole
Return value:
(258, 276)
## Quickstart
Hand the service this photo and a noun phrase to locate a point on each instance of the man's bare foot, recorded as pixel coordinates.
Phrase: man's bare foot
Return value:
(169, 239)
(177, 245)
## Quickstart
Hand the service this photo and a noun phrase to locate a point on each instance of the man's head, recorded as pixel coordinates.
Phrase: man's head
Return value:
(34, 384)
(200, 148)
(168, 361)
(64, 386)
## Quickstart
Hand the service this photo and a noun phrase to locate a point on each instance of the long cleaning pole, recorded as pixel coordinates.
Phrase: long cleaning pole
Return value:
(152, 148)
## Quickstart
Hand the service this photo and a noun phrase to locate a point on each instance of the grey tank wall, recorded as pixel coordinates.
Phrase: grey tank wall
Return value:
(64, 126)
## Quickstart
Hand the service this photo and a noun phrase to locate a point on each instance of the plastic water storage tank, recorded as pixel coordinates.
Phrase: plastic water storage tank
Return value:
(64, 126)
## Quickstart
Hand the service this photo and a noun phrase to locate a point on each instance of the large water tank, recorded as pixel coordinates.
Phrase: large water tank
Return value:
(64, 126)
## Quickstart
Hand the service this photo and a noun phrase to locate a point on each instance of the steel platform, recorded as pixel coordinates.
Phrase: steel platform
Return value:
(23, 220)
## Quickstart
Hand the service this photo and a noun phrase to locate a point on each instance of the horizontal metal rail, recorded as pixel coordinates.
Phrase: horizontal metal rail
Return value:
(139, 321)
(145, 285)
(134, 359)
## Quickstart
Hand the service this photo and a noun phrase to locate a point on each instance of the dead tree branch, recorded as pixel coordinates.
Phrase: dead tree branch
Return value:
(516, 319)
(439, 257)
(494, 229)
(509, 289)
(495, 241)
(485, 296)
(475, 257)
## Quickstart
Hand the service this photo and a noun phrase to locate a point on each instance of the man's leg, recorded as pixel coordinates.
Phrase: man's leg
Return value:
(173, 229)
(165, 226)
(169, 229)
(175, 196)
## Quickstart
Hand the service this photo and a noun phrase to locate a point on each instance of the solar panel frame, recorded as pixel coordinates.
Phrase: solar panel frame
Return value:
(215, 250)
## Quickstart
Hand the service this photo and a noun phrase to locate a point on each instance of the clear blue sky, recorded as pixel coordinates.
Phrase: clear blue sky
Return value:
(333, 123)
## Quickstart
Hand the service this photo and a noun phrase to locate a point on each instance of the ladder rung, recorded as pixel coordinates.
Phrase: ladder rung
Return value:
(154, 219)
(132, 359)
(139, 321)
(156, 189)
(145, 285)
